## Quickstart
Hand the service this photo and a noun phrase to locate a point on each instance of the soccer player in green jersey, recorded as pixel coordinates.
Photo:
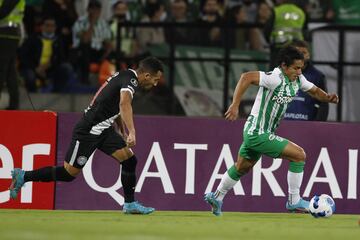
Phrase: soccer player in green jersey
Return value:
(276, 90)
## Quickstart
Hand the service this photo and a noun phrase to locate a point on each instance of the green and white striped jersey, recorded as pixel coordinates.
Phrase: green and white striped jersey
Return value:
(275, 93)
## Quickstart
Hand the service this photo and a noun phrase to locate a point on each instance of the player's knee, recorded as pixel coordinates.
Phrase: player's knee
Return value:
(129, 165)
(123, 154)
(301, 155)
(63, 175)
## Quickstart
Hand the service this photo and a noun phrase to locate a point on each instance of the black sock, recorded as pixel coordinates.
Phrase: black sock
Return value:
(48, 174)
(128, 178)
(45, 174)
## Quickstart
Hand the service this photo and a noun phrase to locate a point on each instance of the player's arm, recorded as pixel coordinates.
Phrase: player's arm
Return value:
(323, 110)
(120, 126)
(246, 79)
(126, 113)
(322, 96)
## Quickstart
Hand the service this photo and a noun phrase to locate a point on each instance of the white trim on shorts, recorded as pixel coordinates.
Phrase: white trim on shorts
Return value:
(73, 156)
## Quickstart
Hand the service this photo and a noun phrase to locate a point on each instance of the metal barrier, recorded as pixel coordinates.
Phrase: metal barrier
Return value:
(340, 63)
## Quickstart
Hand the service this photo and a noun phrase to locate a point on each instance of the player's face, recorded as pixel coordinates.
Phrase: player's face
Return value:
(294, 70)
(151, 80)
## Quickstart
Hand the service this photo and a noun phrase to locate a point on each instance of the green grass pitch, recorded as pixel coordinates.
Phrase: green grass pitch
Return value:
(103, 225)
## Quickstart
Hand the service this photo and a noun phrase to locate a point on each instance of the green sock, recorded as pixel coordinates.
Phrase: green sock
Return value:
(234, 174)
(228, 181)
(296, 167)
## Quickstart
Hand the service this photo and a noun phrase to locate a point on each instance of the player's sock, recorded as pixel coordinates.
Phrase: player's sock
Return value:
(294, 178)
(45, 174)
(228, 181)
(128, 178)
(48, 174)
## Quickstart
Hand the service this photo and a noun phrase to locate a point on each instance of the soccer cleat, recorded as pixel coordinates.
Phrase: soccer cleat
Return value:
(137, 208)
(301, 206)
(17, 182)
(215, 204)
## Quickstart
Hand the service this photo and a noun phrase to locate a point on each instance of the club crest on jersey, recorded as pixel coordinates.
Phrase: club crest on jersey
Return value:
(134, 82)
(81, 160)
(282, 99)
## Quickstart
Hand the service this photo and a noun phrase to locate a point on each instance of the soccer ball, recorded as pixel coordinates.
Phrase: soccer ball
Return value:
(322, 206)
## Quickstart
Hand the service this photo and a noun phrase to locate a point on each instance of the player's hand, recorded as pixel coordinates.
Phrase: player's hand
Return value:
(333, 98)
(232, 113)
(131, 140)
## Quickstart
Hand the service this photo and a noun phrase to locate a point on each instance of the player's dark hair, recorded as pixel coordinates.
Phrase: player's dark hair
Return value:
(299, 43)
(151, 64)
(288, 55)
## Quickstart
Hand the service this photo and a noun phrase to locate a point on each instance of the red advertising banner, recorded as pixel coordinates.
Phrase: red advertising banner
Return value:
(27, 141)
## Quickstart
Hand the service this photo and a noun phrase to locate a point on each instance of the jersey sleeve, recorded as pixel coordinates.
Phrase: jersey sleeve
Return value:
(305, 85)
(269, 80)
(130, 84)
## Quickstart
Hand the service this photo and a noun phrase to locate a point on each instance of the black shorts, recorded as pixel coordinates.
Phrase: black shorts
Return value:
(83, 144)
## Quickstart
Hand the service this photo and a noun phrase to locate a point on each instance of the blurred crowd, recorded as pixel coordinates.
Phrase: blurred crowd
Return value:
(69, 45)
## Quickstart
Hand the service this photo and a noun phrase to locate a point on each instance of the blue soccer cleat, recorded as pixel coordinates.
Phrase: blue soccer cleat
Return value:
(215, 204)
(137, 208)
(301, 206)
(17, 182)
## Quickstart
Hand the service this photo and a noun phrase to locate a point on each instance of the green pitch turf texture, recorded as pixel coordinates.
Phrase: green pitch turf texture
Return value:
(87, 225)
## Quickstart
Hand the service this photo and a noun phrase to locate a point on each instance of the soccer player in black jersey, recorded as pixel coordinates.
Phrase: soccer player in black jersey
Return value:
(96, 130)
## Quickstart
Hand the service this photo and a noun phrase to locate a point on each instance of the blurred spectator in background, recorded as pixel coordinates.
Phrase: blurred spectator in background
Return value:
(135, 10)
(11, 16)
(146, 36)
(91, 40)
(123, 42)
(264, 12)
(81, 8)
(42, 58)
(287, 22)
(121, 16)
(251, 9)
(106, 9)
(32, 16)
(347, 12)
(303, 106)
(179, 14)
(262, 16)
(320, 10)
(194, 8)
(242, 38)
(63, 11)
(210, 13)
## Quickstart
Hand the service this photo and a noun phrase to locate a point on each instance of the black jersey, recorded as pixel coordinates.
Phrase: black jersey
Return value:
(104, 108)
